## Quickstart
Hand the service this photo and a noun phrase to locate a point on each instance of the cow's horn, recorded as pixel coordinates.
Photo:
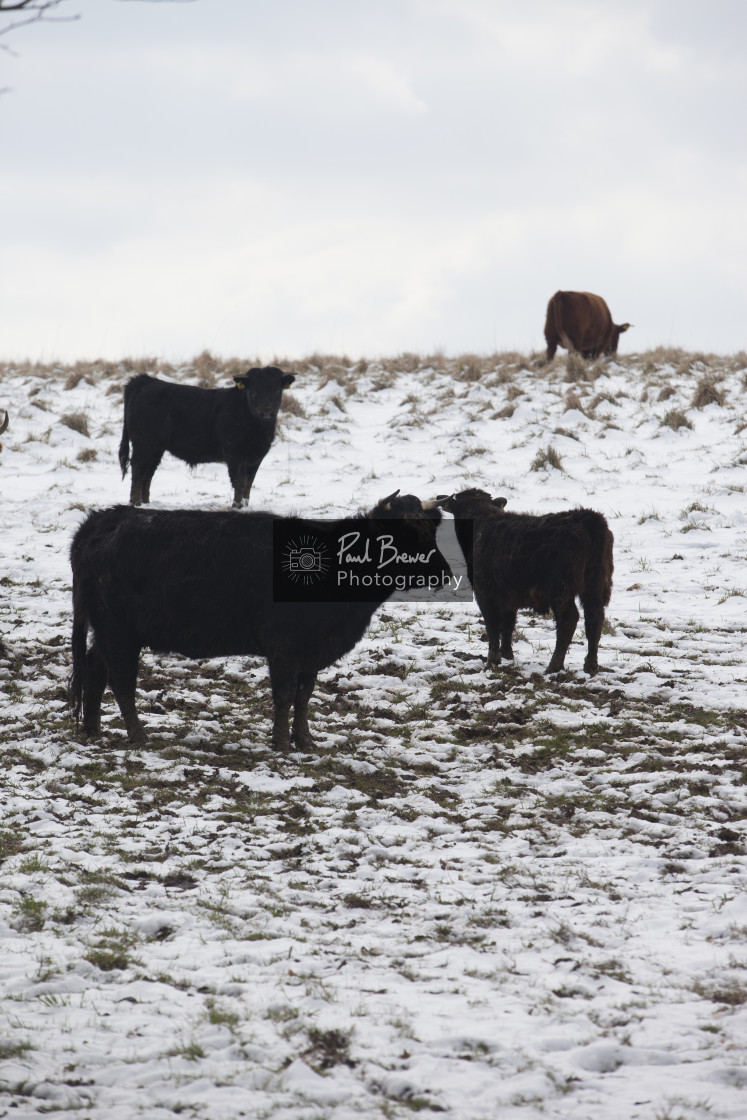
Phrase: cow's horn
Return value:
(385, 501)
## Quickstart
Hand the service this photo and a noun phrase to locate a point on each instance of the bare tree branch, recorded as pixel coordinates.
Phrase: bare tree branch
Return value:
(34, 11)
(29, 5)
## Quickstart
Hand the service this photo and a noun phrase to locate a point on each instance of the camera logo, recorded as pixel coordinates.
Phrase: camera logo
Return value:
(305, 560)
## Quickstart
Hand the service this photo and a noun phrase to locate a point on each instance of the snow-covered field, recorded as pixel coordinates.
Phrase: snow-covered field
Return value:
(489, 895)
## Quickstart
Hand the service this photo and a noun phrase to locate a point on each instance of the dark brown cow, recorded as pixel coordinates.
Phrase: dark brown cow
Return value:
(517, 561)
(582, 322)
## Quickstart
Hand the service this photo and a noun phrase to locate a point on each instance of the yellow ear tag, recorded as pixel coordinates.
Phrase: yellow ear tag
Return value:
(241, 385)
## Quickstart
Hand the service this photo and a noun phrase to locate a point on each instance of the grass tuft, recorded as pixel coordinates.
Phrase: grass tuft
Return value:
(544, 459)
(328, 1048)
(708, 392)
(676, 419)
(77, 422)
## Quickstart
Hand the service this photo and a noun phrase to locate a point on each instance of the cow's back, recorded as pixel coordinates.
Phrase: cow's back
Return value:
(200, 583)
(578, 321)
(181, 419)
(179, 581)
(522, 550)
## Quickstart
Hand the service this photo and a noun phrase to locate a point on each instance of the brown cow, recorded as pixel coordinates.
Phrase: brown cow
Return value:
(581, 321)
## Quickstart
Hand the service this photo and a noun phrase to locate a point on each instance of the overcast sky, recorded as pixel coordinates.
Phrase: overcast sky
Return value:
(275, 177)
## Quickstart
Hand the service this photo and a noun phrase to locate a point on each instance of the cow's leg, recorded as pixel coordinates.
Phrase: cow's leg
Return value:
(507, 627)
(492, 617)
(593, 621)
(237, 474)
(94, 683)
(242, 476)
(122, 673)
(283, 682)
(304, 688)
(566, 617)
(251, 474)
(552, 346)
(143, 466)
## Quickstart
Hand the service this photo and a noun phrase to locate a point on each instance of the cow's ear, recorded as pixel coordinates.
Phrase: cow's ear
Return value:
(500, 502)
(286, 380)
(624, 327)
(240, 383)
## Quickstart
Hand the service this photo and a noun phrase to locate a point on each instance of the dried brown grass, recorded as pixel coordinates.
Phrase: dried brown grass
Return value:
(576, 367)
(708, 392)
(545, 458)
(77, 422)
(292, 406)
(676, 419)
(572, 400)
(656, 367)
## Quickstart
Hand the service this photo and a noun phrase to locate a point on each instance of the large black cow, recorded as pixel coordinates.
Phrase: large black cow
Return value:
(518, 560)
(232, 426)
(201, 584)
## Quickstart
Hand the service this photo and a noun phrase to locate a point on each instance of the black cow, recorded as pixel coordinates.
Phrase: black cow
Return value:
(232, 426)
(201, 584)
(517, 560)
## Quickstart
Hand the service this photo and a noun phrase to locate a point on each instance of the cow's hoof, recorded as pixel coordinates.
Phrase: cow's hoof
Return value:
(303, 741)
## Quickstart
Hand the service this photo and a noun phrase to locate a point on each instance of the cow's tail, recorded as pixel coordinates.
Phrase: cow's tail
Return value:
(600, 565)
(124, 447)
(79, 647)
(553, 321)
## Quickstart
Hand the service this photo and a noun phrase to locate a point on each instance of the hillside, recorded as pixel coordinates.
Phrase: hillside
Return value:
(484, 894)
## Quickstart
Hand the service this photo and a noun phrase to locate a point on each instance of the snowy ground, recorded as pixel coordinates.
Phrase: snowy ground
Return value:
(490, 895)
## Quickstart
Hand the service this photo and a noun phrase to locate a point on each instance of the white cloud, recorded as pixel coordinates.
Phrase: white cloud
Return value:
(426, 178)
(576, 37)
(234, 268)
(331, 84)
